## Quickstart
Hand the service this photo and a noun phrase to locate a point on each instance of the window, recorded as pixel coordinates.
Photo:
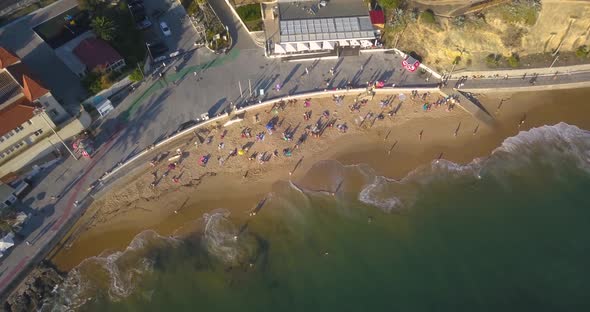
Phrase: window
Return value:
(29, 122)
(2, 139)
(38, 132)
(53, 112)
(10, 133)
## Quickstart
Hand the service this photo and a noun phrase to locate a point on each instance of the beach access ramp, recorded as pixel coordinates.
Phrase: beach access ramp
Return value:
(469, 103)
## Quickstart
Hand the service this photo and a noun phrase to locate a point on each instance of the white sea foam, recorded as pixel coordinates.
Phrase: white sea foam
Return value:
(549, 146)
(377, 194)
(119, 273)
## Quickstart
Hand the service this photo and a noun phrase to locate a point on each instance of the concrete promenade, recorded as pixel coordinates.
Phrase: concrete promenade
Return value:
(537, 79)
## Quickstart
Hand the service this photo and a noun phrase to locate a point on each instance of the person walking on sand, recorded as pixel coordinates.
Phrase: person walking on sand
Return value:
(420, 135)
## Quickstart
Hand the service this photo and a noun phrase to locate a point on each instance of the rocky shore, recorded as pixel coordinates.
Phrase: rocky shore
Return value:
(39, 285)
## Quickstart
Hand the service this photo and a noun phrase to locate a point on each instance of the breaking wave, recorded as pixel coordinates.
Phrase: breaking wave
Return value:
(113, 275)
(547, 148)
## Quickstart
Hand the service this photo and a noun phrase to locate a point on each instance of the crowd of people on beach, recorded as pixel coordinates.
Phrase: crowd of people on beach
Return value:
(292, 136)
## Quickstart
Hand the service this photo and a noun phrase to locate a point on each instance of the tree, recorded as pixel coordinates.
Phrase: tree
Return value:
(104, 28)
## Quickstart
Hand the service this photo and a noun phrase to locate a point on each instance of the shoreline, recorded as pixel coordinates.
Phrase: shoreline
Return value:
(116, 226)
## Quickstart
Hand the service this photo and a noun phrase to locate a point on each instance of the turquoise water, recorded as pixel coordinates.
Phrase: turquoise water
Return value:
(506, 233)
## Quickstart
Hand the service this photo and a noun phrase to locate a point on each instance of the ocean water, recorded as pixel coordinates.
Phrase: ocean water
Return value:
(509, 232)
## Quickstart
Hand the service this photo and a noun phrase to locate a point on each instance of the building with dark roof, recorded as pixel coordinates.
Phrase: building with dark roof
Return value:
(97, 54)
(314, 26)
(27, 109)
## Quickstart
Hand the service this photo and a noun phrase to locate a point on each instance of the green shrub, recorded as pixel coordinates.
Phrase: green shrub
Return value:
(513, 60)
(428, 17)
(582, 51)
(390, 4)
(192, 7)
(136, 75)
(96, 81)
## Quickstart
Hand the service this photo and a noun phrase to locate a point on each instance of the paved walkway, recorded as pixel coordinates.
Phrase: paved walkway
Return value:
(523, 80)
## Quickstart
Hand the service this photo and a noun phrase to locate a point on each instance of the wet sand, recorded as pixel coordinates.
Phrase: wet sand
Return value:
(114, 220)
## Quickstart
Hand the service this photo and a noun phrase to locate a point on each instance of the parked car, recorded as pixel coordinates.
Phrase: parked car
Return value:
(165, 30)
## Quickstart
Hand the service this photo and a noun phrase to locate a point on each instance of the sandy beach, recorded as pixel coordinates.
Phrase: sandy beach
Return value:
(393, 146)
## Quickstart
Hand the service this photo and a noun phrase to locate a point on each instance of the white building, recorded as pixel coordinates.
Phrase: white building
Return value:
(321, 26)
(28, 111)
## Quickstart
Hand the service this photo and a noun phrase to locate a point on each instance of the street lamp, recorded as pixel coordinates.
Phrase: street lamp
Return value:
(40, 112)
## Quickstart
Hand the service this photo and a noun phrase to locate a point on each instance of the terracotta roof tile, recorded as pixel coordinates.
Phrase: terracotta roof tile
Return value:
(7, 58)
(96, 53)
(15, 115)
(32, 89)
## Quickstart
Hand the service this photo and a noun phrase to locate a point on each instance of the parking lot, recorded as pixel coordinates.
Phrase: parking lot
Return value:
(182, 34)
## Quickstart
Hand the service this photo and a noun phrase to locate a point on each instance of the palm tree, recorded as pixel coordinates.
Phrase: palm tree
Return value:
(104, 28)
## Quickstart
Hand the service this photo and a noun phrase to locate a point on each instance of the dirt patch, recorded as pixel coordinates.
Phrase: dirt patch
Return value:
(502, 29)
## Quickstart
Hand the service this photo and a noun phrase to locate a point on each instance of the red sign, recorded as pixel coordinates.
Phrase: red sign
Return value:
(411, 64)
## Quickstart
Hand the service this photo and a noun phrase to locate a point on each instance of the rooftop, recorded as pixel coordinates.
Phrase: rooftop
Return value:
(94, 52)
(9, 88)
(7, 58)
(312, 9)
(15, 114)
(339, 20)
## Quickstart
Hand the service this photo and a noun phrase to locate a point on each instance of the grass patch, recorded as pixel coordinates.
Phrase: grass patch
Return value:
(428, 17)
(251, 16)
(24, 11)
